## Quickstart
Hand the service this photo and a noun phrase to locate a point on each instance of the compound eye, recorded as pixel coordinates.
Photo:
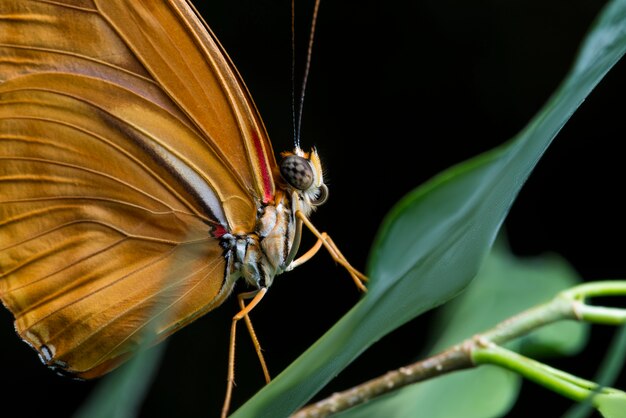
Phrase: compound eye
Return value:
(297, 172)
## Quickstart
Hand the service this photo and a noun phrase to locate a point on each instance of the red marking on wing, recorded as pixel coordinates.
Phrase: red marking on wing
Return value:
(266, 175)
(218, 231)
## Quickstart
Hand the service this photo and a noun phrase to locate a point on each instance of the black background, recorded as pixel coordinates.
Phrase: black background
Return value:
(398, 91)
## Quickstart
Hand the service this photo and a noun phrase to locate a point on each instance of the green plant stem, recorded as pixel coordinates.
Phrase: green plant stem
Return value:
(596, 288)
(602, 315)
(556, 380)
(597, 314)
(485, 348)
(555, 310)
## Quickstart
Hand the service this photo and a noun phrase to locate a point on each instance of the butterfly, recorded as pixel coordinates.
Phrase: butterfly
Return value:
(137, 180)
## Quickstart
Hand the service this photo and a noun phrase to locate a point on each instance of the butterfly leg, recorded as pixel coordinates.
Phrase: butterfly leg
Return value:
(325, 240)
(256, 297)
(257, 346)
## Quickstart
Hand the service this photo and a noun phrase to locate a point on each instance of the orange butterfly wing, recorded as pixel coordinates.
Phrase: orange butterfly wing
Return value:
(128, 145)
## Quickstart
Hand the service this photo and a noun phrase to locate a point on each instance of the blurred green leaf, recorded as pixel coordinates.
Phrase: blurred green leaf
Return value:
(433, 242)
(121, 393)
(610, 368)
(505, 286)
(479, 393)
(612, 405)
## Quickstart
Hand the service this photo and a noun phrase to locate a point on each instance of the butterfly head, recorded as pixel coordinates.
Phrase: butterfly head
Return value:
(302, 171)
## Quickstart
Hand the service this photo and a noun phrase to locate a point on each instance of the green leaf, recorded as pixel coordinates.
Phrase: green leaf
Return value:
(433, 242)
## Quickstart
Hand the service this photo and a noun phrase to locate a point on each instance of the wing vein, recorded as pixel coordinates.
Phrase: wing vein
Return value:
(96, 173)
(161, 311)
(109, 284)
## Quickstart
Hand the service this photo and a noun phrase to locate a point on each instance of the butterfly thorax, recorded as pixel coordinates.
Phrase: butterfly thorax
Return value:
(260, 256)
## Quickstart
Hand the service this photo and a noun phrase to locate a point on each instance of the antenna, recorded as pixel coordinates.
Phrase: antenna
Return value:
(297, 123)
